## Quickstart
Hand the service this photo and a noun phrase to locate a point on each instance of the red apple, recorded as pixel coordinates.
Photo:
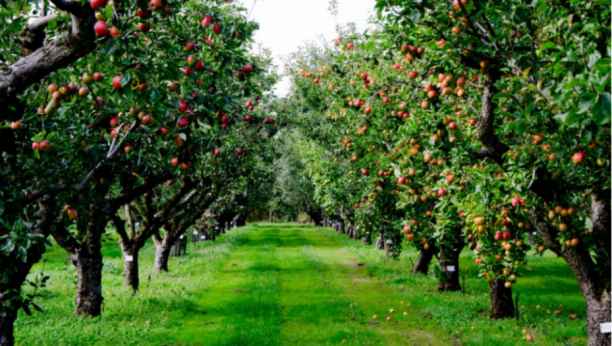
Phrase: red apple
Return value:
(579, 157)
(114, 32)
(117, 82)
(144, 14)
(155, 5)
(100, 28)
(207, 20)
(189, 47)
(71, 213)
(95, 4)
(44, 145)
(144, 26)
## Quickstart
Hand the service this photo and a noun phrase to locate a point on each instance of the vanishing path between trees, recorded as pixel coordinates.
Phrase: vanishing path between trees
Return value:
(294, 285)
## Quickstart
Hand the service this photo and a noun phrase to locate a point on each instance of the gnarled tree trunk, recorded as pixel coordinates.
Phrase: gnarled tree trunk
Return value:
(593, 276)
(422, 264)
(130, 266)
(380, 243)
(449, 267)
(7, 321)
(367, 238)
(502, 305)
(162, 255)
(89, 288)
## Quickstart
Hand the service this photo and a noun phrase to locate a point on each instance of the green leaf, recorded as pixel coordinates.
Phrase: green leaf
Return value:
(154, 95)
(601, 111)
(125, 79)
(109, 13)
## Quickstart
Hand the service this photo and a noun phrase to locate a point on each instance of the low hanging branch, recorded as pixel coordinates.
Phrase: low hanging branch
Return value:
(57, 54)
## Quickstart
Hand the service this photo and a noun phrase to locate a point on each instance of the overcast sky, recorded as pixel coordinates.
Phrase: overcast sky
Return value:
(285, 24)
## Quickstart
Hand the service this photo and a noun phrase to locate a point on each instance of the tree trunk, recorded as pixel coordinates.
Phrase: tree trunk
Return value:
(367, 239)
(89, 289)
(593, 276)
(7, 321)
(162, 254)
(502, 305)
(449, 267)
(388, 245)
(380, 244)
(349, 230)
(316, 218)
(422, 264)
(130, 267)
(598, 311)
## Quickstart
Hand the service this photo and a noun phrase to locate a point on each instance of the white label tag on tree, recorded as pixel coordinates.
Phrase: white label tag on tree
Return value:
(450, 269)
(195, 232)
(606, 328)
(129, 258)
(181, 237)
(217, 227)
(203, 237)
(535, 233)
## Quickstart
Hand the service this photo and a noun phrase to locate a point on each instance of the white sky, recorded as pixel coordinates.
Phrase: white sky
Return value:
(285, 24)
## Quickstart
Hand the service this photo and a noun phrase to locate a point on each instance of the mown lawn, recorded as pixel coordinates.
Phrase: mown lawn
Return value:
(289, 284)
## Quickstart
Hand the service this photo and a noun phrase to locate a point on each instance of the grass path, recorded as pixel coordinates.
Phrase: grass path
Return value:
(292, 285)
(289, 284)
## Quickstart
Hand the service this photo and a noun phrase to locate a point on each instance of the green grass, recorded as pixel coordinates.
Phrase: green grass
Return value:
(289, 284)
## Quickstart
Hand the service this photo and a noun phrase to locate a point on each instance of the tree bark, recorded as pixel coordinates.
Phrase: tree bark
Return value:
(380, 243)
(485, 130)
(162, 254)
(449, 267)
(7, 322)
(89, 288)
(9, 309)
(592, 271)
(350, 230)
(502, 305)
(422, 264)
(130, 267)
(367, 239)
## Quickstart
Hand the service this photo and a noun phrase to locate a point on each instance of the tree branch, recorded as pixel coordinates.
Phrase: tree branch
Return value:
(58, 54)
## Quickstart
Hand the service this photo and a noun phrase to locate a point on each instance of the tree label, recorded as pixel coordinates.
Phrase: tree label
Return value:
(535, 233)
(195, 232)
(217, 227)
(129, 258)
(606, 328)
(450, 269)
(181, 237)
(203, 237)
